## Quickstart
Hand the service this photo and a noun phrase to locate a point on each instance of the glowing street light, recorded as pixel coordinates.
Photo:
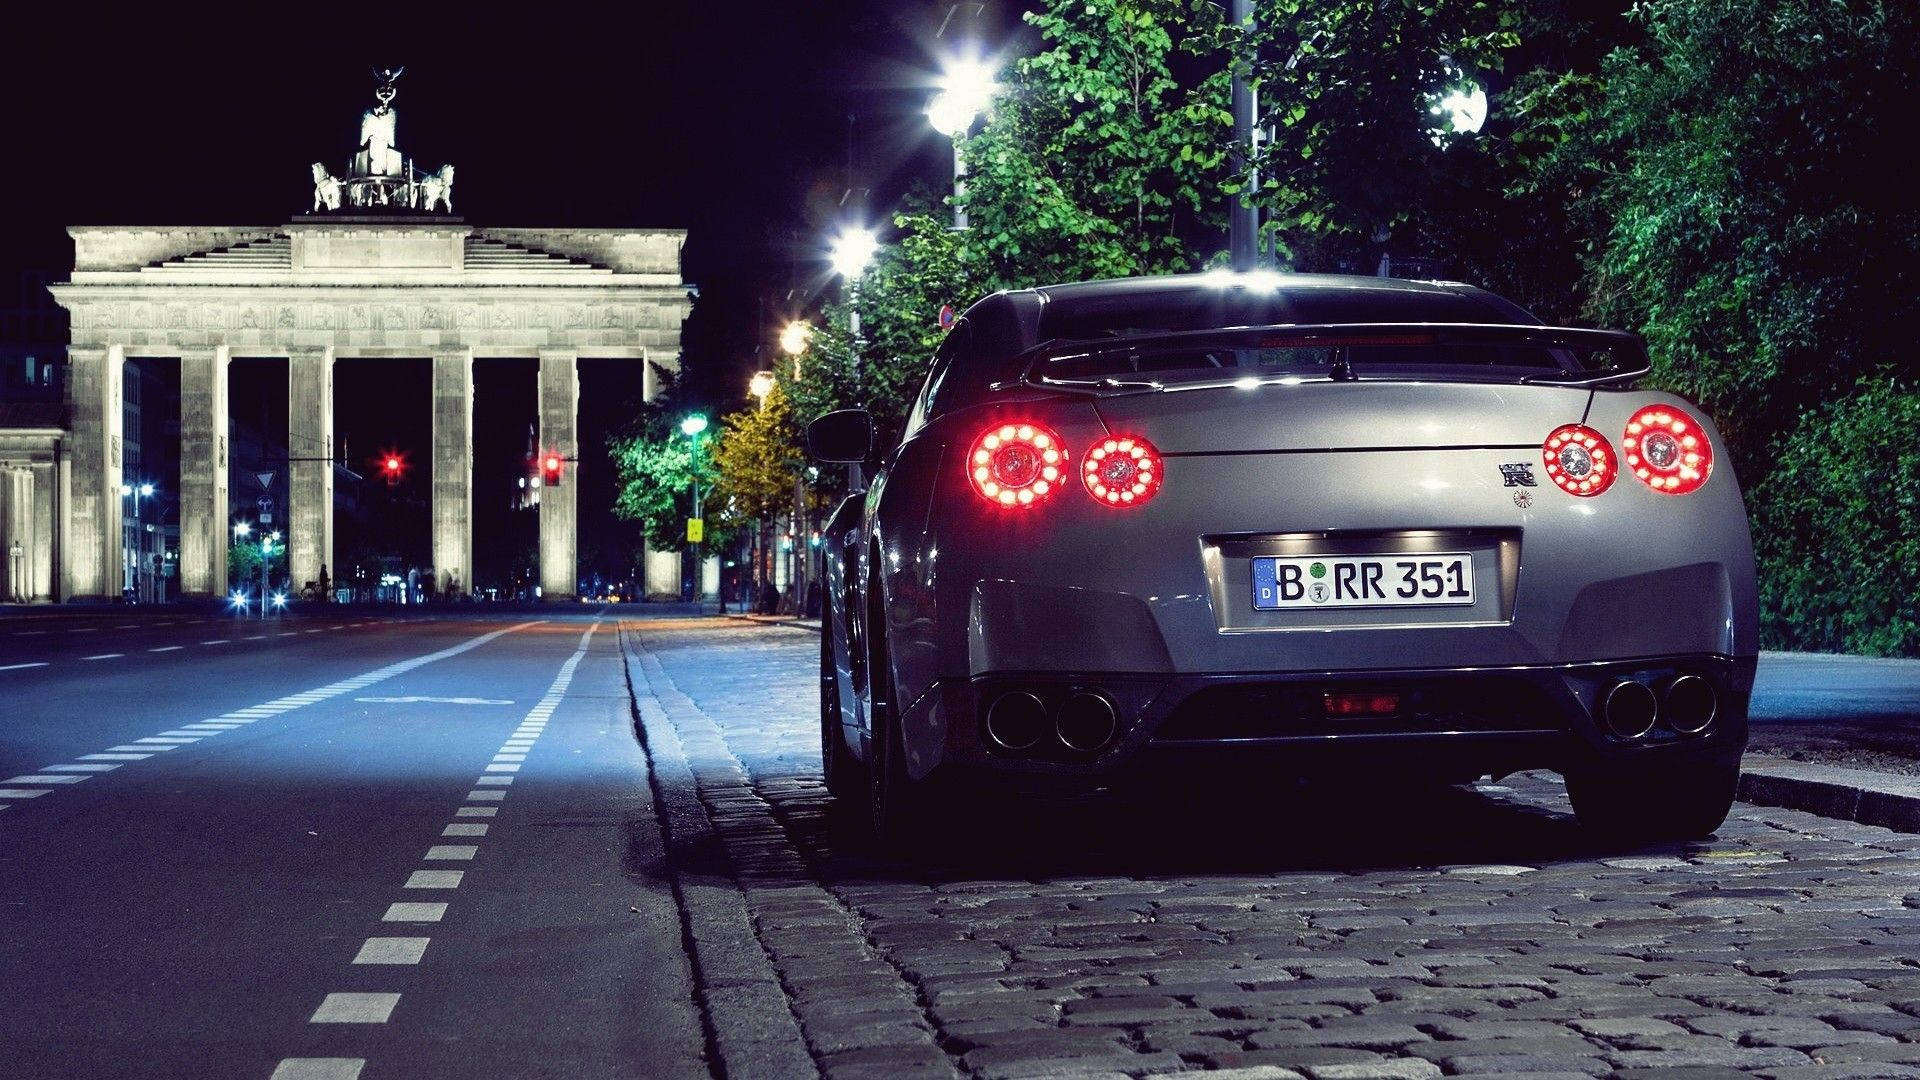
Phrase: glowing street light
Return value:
(242, 529)
(693, 425)
(967, 87)
(794, 337)
(1461, 110)
(760, 386)
(852, 252)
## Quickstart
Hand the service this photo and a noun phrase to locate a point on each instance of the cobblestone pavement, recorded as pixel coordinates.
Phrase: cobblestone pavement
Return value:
(1386, 935)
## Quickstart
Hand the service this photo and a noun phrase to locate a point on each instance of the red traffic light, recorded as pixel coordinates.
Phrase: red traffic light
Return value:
(392, 465)
(552, 468)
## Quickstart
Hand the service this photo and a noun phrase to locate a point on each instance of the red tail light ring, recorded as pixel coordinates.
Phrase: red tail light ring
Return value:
(1016, 465)
(1668, 450)
(1121, 471)
(1579, 460)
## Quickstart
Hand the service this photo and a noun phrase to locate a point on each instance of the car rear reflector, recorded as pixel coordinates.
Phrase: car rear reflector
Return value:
(1365, 703)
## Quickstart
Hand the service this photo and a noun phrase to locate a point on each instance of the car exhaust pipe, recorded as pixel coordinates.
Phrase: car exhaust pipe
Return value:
(1016, 720)
(1689, 705)
(1629, 709)
(1086, 721)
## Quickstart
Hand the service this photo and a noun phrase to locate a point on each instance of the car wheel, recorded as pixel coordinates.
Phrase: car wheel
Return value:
(895, 810)
(1667, 804)
(841, 771)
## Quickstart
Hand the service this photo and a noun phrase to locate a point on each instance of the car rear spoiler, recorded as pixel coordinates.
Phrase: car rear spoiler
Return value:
(1630, 359)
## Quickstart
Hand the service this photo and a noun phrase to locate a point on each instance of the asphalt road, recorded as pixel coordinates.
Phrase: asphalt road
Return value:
(327, 847)
(324, 847)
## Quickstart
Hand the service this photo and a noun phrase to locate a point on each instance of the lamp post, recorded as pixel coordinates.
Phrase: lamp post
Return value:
(793, 341)
(760, 386)
(851, 253)
(966, 89)
(692, 427)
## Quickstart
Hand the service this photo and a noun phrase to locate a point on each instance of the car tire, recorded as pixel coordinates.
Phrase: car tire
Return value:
(896, 809)
(842, 773)
(1686, 803)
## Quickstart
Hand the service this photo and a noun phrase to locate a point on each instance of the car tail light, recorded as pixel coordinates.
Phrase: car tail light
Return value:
(1121, 471)
(1668, 450)
(1579, 460)
(1016, 465)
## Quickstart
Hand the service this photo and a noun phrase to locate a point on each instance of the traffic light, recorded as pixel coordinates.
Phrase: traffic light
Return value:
(552, 467)
(393, 467)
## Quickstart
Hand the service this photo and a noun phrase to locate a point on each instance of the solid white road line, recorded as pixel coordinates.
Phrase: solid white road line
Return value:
(18, 667)
(392, 950)
(407, 911)
(318, 1069)
(434, 879)
(105, 656)
(355, 1009)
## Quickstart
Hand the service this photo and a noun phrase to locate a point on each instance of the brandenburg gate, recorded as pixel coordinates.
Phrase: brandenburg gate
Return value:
(381, 269)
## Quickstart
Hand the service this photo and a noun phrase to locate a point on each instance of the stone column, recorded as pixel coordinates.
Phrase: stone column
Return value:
(203, 473)
(92, 547)
(559, 506)
(16, 527)
(453, 470)
(310, 467)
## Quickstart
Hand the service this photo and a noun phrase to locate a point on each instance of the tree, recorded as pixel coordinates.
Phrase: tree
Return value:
(1103, 157)
(654, 462)
(757, 458)
(1346, 89)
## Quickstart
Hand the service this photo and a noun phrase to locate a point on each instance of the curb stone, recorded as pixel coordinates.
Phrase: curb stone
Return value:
(1857, 795)
(750, 1024)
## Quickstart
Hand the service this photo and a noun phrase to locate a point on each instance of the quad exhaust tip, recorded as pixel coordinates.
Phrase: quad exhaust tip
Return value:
(1689, 704)
(1629, 709)
(1016, 720)
(1086, 722)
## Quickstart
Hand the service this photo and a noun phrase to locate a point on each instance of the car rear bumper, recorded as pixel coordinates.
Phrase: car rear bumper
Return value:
(1443, 725)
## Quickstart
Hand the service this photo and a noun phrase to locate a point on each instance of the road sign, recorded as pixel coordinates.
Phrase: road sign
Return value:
(696, 530)
(265, 478)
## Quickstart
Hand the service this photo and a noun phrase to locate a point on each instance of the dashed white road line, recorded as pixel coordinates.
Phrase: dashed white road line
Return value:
(105, 656)
(356, 1009)
(39, 778)
(392, 950)
(18, 667)
(168, 648)
(409, 911)
(319, 1069)
(217, 641)
(434, 879)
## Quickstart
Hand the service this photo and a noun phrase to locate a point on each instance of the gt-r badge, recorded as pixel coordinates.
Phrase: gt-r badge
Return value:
(1518, 474)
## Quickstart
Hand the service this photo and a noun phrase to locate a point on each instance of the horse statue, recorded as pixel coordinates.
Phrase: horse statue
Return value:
(326, 189)
(437, 188)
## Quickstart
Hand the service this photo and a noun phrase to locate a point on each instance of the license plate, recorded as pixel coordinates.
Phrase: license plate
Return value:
(1428, 579)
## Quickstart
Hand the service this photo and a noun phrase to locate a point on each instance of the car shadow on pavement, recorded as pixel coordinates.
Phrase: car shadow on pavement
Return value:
(1283, 831)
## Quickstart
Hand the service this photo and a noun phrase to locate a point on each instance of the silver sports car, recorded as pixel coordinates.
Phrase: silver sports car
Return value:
(1234, 528)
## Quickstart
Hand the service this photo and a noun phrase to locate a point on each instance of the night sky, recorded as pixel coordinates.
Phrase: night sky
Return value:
(728, 120)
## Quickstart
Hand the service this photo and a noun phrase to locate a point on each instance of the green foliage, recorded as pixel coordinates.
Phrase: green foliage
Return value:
(244, 558)
(758, 459)
(1748, 222)
(656, 466)
(1837, 527)
(1098, 161)
(1346, 87)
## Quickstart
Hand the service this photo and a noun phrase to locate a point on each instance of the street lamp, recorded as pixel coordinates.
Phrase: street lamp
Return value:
(794, 338)
(242, 529)
(851, 253)
(967, 87)
(692, 427)
(760, 386)
(1460, 110)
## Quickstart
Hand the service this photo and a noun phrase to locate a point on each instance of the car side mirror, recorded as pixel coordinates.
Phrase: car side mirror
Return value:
(844, 436)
